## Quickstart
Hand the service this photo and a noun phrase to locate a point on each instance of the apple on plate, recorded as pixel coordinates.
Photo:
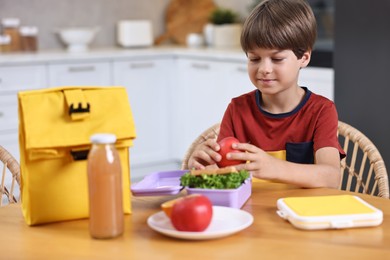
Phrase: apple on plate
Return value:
(192, 213)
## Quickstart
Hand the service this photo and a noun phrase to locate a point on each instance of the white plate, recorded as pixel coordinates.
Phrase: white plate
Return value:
(225, 221)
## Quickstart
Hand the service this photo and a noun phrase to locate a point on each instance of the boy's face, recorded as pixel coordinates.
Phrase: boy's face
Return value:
(273, 71)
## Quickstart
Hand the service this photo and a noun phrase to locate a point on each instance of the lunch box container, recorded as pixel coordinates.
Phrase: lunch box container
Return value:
(328, 212)
(168, 183)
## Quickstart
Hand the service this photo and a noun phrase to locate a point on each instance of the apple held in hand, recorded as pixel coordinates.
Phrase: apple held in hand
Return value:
(192, 213)
(226, 147)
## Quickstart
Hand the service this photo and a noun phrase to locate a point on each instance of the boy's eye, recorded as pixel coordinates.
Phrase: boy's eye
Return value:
(277, 59)
(254, 59)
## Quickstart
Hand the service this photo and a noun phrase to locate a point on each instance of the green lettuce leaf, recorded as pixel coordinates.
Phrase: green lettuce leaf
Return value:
(214, 181)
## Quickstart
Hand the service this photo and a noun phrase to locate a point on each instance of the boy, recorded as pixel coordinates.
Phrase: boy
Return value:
(287, 133)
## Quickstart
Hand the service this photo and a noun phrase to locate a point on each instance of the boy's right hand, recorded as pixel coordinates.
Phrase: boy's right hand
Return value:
(205, 154)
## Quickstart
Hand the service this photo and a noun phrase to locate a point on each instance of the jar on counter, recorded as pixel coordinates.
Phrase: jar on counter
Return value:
(11, 28)
(28, 38)
(106, 219)
(5, 43)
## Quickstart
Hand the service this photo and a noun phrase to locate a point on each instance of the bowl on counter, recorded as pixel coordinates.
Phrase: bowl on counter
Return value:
(78, 39)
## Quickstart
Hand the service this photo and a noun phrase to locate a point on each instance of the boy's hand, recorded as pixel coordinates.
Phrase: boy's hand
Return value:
(258, 162)
(205, 154)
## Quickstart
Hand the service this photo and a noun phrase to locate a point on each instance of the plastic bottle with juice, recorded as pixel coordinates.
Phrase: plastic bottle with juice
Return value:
(106, 218)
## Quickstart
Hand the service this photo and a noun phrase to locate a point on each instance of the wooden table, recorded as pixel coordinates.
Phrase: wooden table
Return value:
(269, 237)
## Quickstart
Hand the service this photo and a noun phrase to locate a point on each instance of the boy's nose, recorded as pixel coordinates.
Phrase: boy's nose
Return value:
(265, 67)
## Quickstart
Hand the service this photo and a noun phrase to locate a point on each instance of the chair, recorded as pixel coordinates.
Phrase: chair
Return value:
(211, 132)
(363, 170)
(10, 166)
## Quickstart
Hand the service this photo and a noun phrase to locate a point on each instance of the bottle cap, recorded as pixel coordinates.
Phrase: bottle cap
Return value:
(103, 138)
(28, 30)
(10, 22)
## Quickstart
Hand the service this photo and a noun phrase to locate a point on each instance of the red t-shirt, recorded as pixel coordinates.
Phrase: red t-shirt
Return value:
(294, 136)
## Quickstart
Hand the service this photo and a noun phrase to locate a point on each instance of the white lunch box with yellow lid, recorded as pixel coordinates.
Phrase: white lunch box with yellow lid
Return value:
(328, 212)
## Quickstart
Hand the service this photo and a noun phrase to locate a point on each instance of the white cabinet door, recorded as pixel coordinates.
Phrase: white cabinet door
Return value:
(318, 80)
(12, 80)
(8, 112)
(15, 78)
(197, 98)
(80, 74)
(235, 75)
(205, 89)
(148, 86)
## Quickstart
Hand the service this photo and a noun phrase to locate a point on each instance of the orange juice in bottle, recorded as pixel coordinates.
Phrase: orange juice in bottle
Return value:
(106, 219)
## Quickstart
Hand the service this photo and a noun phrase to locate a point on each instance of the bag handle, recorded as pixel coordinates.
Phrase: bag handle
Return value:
(79, 155)
(78, 107)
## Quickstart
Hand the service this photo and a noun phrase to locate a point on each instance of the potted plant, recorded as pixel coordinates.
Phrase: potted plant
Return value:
(223, 29)
(223, 16)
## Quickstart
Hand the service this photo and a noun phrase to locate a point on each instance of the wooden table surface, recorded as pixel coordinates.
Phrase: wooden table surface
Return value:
(269, 237)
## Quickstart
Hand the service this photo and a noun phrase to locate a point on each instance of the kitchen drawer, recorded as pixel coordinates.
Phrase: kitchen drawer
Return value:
(15, 78)
(8, 112)
(72, 74)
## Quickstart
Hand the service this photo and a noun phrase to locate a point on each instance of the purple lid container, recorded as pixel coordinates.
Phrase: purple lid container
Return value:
(158, 184)
(168, 183)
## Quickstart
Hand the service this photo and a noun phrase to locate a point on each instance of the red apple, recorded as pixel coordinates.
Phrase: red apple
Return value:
(226, 147)
(192, 213)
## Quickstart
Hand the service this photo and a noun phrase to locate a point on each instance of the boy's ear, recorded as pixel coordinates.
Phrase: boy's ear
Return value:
(305, 59)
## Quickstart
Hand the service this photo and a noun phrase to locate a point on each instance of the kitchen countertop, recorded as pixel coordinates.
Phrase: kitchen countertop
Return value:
(320, 58)
(53, 56)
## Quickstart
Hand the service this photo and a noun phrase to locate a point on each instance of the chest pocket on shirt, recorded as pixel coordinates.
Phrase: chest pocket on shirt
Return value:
(300, 152)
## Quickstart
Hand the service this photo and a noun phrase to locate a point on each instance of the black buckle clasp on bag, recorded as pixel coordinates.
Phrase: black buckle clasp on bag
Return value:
(79, 109)
(79, 155)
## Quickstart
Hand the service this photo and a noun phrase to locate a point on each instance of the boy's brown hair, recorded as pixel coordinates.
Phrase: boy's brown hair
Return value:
(280, 24)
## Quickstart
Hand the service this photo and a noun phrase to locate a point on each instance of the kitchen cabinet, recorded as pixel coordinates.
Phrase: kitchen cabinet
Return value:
(12, 80)
(204, 88)
(15, 78)
(80, 73)
(318, 80)
(148, 85)
(8, 112)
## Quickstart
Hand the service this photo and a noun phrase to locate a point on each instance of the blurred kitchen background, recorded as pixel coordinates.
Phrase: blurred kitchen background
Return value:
(354, 41)
(51, 15)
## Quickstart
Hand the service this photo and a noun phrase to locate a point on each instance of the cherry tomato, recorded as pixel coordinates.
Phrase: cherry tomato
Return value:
(226, 147)
(192, 213)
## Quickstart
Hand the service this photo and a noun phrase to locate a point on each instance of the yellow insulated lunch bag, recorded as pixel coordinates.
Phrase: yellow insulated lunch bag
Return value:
(55, 125)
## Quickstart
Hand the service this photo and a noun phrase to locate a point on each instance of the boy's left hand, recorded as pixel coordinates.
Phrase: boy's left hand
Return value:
(258, 162)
